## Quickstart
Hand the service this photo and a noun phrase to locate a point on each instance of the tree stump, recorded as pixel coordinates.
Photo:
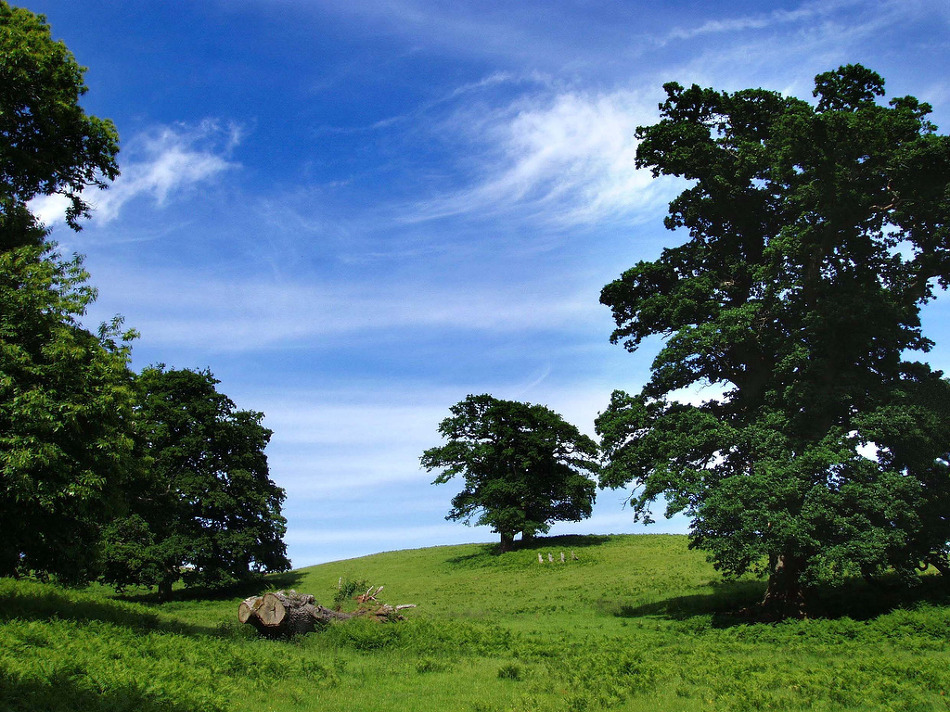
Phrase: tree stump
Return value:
(280, 614)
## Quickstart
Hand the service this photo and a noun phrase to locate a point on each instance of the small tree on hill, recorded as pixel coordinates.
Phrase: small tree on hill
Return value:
(816, 232)
(524, 467)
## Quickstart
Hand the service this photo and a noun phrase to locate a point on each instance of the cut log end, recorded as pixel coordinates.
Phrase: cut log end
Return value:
(272, 610)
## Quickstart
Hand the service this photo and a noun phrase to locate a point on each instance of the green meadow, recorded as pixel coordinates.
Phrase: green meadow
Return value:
(635, 623)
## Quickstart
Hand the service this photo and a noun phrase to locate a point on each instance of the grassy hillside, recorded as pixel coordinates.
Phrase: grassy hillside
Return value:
(635, 623)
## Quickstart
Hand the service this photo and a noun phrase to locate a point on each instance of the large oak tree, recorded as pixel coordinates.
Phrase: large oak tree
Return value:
(205, 510)
(814, 234)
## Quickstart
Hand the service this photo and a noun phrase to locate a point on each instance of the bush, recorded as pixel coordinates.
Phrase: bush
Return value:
(347, 589)
(512, 671)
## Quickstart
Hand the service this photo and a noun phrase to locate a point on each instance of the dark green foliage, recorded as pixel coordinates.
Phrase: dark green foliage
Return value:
(50, 145)
(815, 235)
(65, 416)
(348, 588)
(511, 671)
(445, 640)
(96, 655)
(195, 500)
(31, 600)
(523, 465)
(65, 396)
(29, 692)
(207, 510)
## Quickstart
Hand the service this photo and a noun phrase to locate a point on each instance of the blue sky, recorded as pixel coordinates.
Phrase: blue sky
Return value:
(357, 213)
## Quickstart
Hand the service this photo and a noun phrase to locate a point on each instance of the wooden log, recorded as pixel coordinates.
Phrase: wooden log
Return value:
(272, 610)
(297, 620)
(326, 615)
(280, 614)
(249, 608)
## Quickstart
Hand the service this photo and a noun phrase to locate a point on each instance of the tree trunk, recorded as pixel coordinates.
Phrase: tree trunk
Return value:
(784, 596)
(507, 541)
(282, 614)
(165, 590)
(9, 562)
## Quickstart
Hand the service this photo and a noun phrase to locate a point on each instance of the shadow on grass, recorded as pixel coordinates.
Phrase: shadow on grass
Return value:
(242, 589)
(566, 541)
(41, 602)
(858, 599)
(733, 602)
(723, 602)
(27, 600)
(65, 692)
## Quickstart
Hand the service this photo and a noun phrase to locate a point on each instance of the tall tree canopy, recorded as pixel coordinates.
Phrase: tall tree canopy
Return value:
(48, 144)
(65, 417)
(207, 511)
(815, 234)
(524, 466)
(65, 393)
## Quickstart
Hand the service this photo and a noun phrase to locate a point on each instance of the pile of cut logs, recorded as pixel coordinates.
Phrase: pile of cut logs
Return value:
(280, 614)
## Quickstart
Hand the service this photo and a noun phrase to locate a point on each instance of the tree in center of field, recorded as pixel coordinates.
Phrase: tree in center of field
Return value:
(524, 466)
(815, 234)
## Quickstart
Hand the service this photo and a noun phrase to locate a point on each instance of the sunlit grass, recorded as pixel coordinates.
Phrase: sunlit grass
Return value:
(634, 623)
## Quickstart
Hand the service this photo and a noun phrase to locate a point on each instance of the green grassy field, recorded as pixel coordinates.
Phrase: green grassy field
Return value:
(636, 623)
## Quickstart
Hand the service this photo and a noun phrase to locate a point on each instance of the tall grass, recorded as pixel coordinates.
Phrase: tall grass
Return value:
(635, 623)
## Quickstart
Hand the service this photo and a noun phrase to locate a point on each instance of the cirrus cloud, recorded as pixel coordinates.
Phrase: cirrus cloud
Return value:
(568, 159)
(162, 162)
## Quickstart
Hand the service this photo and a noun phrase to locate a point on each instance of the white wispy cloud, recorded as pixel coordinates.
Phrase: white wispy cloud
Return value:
(567, 159)
(330, 472)
(197, 310)
(157, 164)
(740, 52)
(310, 419)
(389, 537)
(807, 12)
(492, 80)
(464, 28)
